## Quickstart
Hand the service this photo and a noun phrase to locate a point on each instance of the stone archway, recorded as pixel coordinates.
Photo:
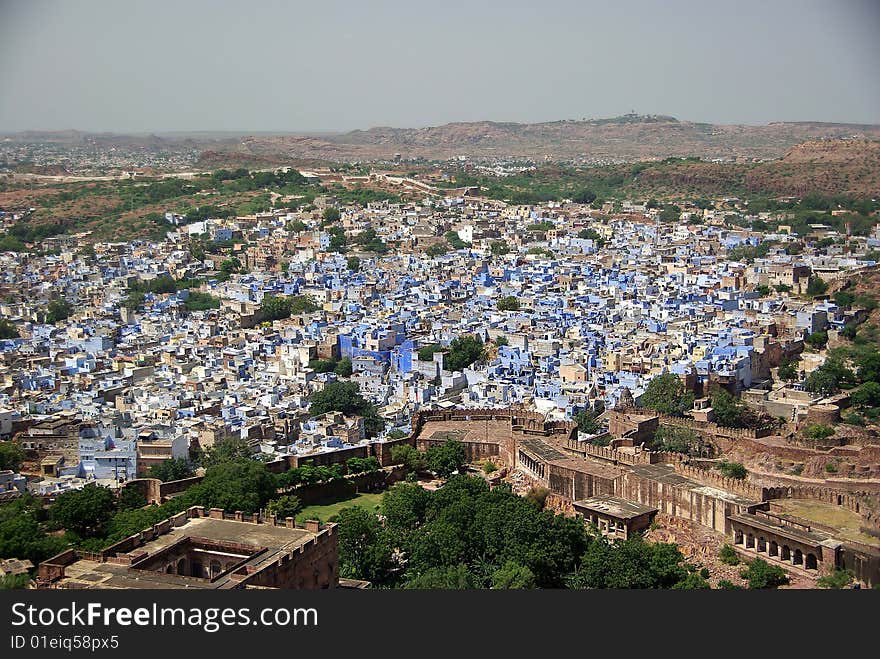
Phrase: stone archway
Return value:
(798, 557)
(750, 541)
(811, 563)
(762, 544)
(737, 537)
(786, 553)
(181, 566)
(774, 549)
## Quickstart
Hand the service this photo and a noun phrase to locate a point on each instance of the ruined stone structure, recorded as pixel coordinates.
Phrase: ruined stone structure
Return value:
(581, 476)
(206, 549)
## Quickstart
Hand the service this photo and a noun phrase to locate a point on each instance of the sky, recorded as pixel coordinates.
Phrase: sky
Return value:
(327, 65)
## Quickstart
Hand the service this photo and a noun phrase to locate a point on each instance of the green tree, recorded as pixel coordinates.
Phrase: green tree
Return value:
(227, 450)
(15, 581)
(760, 574)
(22, 534)
(836, 580)
(730, 411)
(171, 470)
(509, 303)
(817, 340)
(446, 458)
(343, 368)
(437, 249)
(244, 485)
(822, 381)
(585, 196)
(345, 397)
(788, 369)
(867, 395)
(353, 263)
(817, 286)
(275, 307)
(284, 506)
(677, 440)
(537, 495)
(8, 330)
(452, 577)
(666, 394)
(869, 367)
(464, 351)
(57, 311)
(364, 549)
(818, 431)
(131, 498)
(85, 511)
(632, 563)
(587, 422)
(410, 457)
(513, 576)
(331, 214)
(11, 456)
(405, 507)
(728, 555)
(499, 248)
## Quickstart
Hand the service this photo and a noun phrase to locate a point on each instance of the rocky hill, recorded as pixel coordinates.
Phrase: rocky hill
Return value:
(627, 138)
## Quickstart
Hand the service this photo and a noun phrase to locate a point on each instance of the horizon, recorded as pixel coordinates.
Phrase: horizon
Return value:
(317, 132)
(277, 67)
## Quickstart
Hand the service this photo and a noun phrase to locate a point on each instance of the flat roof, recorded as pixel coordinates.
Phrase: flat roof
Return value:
(800, 535)
(277, 540)
(615, 506)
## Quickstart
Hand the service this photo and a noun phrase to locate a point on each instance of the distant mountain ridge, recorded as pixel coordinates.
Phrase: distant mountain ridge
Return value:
(629, 137)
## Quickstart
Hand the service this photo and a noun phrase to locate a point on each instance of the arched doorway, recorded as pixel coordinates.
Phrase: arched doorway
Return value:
(762, 544)
(774, 548)
(798, 557)
(811, 563)
(181, 566)
(737, 537)
(786, 553)
(215, 569)
(750, 541)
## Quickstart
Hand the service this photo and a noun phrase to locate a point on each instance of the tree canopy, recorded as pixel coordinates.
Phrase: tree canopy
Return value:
(345, 397)
(666, 394)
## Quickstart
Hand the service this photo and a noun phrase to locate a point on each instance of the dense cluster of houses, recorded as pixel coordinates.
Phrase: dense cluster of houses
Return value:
(116, 388)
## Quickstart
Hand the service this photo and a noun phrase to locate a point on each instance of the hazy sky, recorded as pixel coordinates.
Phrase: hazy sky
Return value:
(159, 65)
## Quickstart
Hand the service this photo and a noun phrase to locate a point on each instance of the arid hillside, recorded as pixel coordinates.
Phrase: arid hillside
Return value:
(623, 138)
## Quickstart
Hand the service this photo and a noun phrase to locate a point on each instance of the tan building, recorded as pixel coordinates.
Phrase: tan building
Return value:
(201, 548)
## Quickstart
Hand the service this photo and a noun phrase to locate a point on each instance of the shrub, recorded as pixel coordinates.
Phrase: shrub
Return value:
(490, 467)
(733, 470)
(818, 431)
(836, 580)
(728, 555)
(760, 574)
(538, 495)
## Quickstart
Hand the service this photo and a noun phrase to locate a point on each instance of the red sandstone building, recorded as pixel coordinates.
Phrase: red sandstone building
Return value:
(205, 549)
